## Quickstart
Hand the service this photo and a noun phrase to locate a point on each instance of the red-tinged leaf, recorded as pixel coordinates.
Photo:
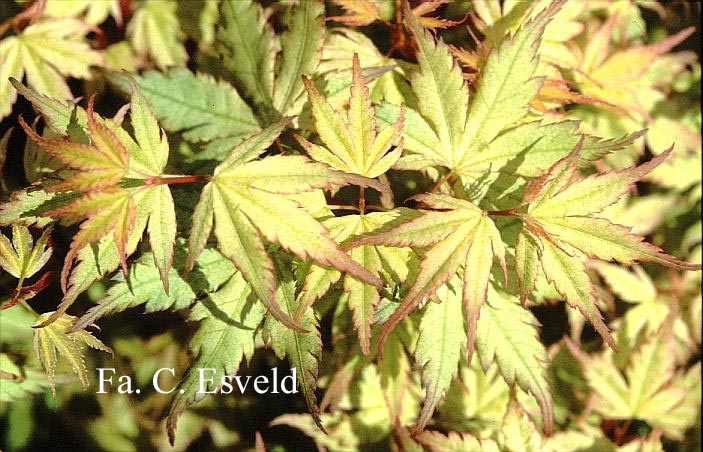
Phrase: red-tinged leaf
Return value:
(240, 242)
(438, 265)
(96, 172)
(105, 211)
(601, 239)
(568, 273)
(477, 270)
(358, 12)
(104, 140)
(592, 194)
(555, 179)
(26, 292)
(259, 445)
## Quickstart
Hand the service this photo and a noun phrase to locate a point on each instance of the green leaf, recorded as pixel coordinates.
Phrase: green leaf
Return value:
(601, 239)
(590, 195)
(23, 382)
(518, 433)
(507, 85)
(631, 286)
(154, 31)
(439, 346)
(228, 322)
(362, 298)
(649, 389)
(419, 139)
(558, 215)
(36, 53)
(353, 145)
(248, 46)
(527, 264)
(143, 286)
(441, 90)
(201, 107)
(70, 346)
(22, 258)
(508, 333)
(523, 152)
(162, 232)
(302, 349)
(102, 257)
(58, 115)
(568, 273)
(461, 235)
(300, 54)
(248, 206)
(150, 138)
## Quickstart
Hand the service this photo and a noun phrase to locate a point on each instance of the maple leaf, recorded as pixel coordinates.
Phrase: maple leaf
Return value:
(247, 200)
(228, 320)
(517, 432)
(303, 349)
(22, 258)
(648, 388)
(143, 285)
(353, 146)
(363, 297)
(439, 346)
(110, 205)
(560, 220)
(460, 235)
(154, 31)
(422, 10)
(507, 333)
(358, 12)
(249, 51)
(622, 77)
(92, 13)
(35, 52)
(446, 129)
(71, 346)
(364, 12)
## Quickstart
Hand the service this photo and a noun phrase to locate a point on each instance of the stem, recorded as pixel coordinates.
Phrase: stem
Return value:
(362, 200)
(342, 207)
(172, 180)
(29, 308)
(620, 432)
(442, 181)
(503, 213)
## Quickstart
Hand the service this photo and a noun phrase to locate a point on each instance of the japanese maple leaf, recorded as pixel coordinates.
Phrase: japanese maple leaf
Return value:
(247, 200)
(99, 167)
(118, 182)
(561, 229)
(461, 238)
(362, 297)
(22, 258)
(365, 12)
(623, 77)
(353, 145)
(45, 53)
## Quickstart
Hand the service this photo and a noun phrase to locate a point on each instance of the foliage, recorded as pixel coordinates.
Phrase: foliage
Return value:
(389, 203)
